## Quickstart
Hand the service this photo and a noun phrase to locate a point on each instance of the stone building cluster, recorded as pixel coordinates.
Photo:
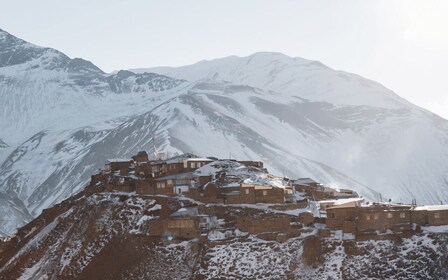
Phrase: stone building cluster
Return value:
(384, 218)
(177, 176)
(207, 180)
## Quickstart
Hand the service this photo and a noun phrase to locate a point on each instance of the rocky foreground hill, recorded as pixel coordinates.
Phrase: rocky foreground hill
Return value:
(103, 236)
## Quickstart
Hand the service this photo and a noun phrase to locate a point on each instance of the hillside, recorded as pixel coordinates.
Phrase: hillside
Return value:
(63, 117)
(102, 236)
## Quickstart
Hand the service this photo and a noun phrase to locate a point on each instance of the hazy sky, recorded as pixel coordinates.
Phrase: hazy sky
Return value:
(401, 44)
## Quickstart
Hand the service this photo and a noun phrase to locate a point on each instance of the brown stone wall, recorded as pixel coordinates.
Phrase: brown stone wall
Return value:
(291, 206)
(379, 220)
(303, 188)
(144, 168)
(438, 218)
(174, 168)
(178, 228)
(419, 217)
(261, 225)
(212, 191)
(122, 166)
(258, 164)
(202, 180)
(145, 187)
(349, 227)
(337, 216)
(306, 218)
(232, 199)
(247, 195)
(274, 195)
(156, 227)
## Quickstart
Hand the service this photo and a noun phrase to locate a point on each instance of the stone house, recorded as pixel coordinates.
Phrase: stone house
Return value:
(325, 193)
(183, 182)
(186, 223)
(249, 163)
(262, 224)
(212, 193)
(304, 185)
(268, 227)
(431, 215)
(251, 194)
(141, 156)
(151, 186)
(383, 217)
(367, 219)
(118, 166)
(344, 202)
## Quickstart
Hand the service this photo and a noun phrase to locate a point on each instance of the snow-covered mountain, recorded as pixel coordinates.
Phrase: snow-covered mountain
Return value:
(61, 118)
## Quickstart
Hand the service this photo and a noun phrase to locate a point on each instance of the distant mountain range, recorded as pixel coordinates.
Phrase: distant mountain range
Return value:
(61, 118)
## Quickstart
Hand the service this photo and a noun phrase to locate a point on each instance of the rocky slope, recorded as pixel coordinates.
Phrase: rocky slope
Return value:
(102, 236)
(63, 117)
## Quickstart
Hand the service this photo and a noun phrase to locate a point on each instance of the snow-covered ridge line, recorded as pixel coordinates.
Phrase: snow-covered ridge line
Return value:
(62, 118)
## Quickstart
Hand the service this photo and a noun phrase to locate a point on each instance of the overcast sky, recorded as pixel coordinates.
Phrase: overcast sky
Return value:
(401, 44)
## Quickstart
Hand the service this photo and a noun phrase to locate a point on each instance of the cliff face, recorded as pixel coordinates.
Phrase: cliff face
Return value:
(103, 236)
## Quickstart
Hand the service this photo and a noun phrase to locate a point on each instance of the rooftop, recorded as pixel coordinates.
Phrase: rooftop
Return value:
(431, 207)
(186, 212)
(119, 160)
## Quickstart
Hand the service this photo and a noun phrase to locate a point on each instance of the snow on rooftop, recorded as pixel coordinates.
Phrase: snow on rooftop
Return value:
(432, 207)
(305, 181)
(341, 201)
(248, 175)
(199, 159)
(190, 211)
(119, 160)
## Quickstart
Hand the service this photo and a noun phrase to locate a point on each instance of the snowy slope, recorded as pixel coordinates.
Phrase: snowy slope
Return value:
(62, 118)
(102, 236)
(292, 76)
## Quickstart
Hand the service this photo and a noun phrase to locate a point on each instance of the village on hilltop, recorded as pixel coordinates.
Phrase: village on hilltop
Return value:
(223, 198)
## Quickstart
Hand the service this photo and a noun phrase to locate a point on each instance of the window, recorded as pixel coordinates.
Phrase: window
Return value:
(247, 191)
(375, 216)
(185, 164)
(368, 217)
(402, 215)
(436, 215)
(390, 215)
(265, 193)
(160, 185)
(192, 165)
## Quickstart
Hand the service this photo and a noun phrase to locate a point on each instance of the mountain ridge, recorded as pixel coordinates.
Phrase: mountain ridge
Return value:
(61, 125)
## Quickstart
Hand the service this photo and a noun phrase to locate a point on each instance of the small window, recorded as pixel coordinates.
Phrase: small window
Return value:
(437, 215)
(368, 217)
(375, 216)
(185, 164)
(265, 193)
(402, 215)
(192, 165)
(390, 215)
(247, 191)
